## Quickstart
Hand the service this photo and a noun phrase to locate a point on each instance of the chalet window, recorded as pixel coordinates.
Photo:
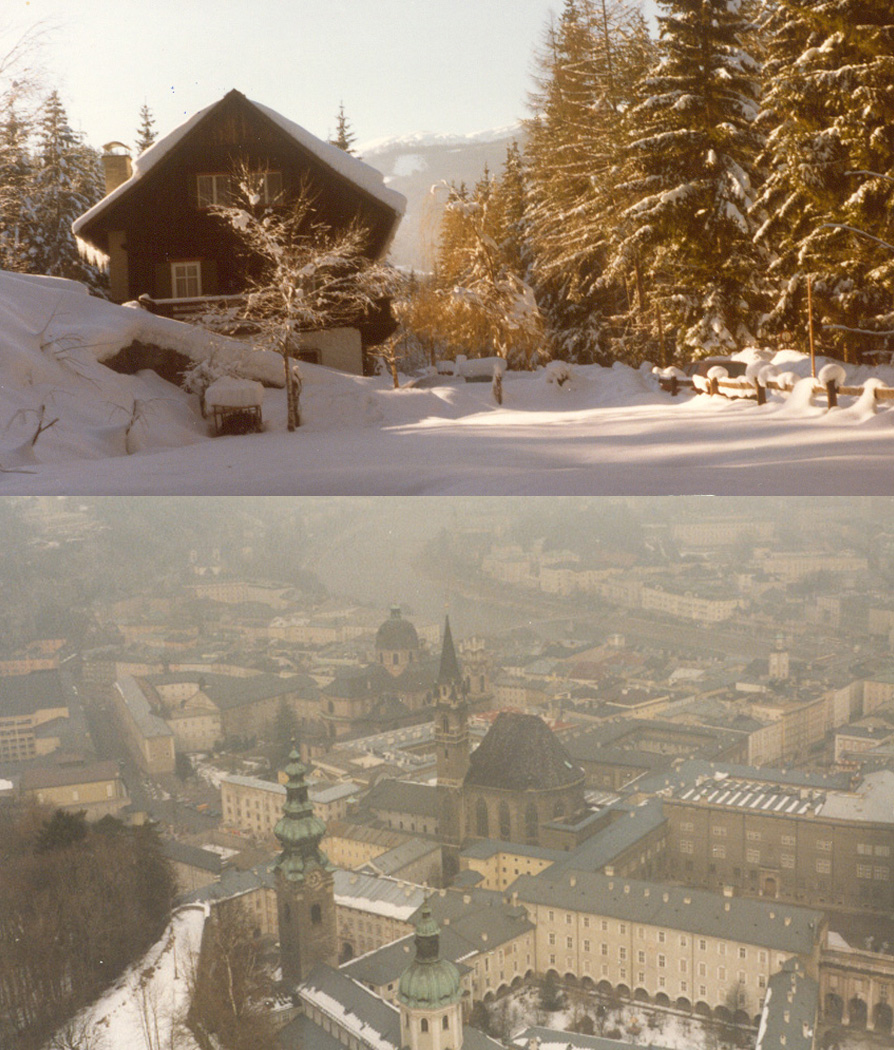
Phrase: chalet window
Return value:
(186, 279)
(213, 189)
(267, 186)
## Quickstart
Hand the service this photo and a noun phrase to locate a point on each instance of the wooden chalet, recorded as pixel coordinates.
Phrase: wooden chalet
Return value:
(161, 242)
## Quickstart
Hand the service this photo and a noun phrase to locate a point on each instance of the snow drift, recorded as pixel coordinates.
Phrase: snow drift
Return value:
(565, 429)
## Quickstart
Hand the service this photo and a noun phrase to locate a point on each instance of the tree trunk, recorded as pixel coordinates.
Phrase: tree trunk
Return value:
(291, 394)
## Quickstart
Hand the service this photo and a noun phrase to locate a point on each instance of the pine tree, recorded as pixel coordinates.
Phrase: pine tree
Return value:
(67, 181)
(344, 137)
(146, 131)
(685, 236)
(592, 59)
(489, 305)
(829, 108)
(16, 204)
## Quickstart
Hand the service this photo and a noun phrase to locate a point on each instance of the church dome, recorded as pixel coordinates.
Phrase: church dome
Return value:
(429, 982)
(521, 753)
(396, 634)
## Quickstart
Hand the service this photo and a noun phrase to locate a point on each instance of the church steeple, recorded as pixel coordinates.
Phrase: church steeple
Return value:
(448, 673)
(452, 752)
(299, 832)
(305, 896)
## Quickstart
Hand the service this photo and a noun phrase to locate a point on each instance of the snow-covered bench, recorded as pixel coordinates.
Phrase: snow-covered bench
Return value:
(235, 405)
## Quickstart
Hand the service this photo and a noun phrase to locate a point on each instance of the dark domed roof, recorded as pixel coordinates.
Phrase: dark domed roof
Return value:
(521, 753)
(396, 633)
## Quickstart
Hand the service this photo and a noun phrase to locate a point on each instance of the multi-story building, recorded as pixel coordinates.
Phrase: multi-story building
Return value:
(491, 940)
(352, 846)
(666, 944)
(254, 806)
(149, 738)
(795, 565)
(792, 836)
(707, 604)
(95, 787)
(373, 911)
(721, 532)
(30, 705)
(878, 690)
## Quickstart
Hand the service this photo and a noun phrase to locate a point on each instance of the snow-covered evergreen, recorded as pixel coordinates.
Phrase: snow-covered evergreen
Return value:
(592, 58)
(67, 180)
(17, 218)
(686, 234)
(488, 304)
(829, 107)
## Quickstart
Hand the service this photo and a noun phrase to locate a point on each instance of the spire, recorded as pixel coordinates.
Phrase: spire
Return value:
(299, 832)
(449, 670)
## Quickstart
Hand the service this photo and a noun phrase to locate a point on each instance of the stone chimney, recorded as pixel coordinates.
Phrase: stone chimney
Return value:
(116, 165)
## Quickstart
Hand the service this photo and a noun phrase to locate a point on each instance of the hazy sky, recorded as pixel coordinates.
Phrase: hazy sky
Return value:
(400, 66)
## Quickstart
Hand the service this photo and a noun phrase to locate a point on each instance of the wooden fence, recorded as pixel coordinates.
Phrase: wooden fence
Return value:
(752, 389)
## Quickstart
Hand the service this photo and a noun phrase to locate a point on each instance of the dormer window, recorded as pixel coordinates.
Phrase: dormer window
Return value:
(213, 190)
(219, 189)
(267, 186)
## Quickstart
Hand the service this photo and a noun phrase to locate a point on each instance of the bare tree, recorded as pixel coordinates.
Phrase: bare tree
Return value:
(78, 1034)
(303, 274)
(230, 983)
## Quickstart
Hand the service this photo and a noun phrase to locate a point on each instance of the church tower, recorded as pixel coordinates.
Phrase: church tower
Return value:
(430, 994)
(778, 665)
(452, 749)
(305, 897)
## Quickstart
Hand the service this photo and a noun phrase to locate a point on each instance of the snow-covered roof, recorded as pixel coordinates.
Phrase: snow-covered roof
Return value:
(363, 176)
(229, 392)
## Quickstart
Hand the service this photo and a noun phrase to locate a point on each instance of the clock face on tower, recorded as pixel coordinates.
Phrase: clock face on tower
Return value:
(315, 878)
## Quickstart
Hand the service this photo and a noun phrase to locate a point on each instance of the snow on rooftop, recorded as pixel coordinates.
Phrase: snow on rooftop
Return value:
(362, 175)
(356, 171)
(354, 1024)
(144, 163)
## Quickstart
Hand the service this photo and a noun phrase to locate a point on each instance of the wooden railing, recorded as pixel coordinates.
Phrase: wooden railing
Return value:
(752, 389)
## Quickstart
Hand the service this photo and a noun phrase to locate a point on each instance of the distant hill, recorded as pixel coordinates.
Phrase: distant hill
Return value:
(415, 163)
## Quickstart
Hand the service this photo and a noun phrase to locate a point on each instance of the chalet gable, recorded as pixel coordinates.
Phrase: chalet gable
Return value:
(235, 129)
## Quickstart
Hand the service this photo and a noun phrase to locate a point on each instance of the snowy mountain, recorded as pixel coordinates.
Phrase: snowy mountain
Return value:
(414, 164)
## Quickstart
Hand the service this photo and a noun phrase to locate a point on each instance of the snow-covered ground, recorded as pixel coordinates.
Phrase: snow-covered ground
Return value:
(604, 431)
(638, 1024)
(146, 1007)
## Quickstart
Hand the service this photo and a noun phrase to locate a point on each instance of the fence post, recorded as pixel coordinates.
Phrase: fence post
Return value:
(832, 393)
(713, 385)
(761, 393)
(674, 386)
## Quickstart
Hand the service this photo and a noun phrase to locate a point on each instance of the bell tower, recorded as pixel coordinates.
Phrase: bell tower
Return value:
(430, 994)
(305, 898)
(452, 749)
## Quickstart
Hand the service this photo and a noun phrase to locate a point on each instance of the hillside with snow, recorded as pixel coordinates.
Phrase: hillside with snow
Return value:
(71, 425)
(414, 164)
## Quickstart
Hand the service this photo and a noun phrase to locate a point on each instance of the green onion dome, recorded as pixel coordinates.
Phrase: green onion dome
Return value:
(429, 982)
